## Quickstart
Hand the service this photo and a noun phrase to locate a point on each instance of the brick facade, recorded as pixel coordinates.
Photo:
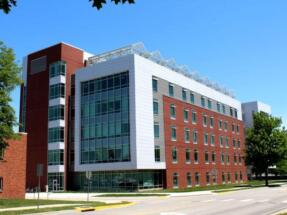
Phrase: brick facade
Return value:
(13, 169)
(181, 167)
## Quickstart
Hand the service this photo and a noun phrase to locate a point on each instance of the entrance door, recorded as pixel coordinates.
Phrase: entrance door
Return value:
(55, 186)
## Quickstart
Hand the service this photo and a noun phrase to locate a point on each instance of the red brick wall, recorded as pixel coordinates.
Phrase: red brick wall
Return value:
(13, 169)
(181, 167)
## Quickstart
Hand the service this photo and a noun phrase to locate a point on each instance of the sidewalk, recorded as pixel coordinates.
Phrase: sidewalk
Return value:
(35, 207)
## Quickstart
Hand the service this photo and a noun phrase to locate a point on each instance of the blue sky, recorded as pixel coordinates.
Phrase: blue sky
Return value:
(240, 44)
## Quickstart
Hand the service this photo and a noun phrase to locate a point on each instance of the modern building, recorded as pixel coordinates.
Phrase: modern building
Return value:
(13, 168)
(131, 118)
(249, 108)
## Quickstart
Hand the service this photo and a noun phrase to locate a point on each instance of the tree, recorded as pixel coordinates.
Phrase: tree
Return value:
(9, 79)
(266, 143)
(6, 5)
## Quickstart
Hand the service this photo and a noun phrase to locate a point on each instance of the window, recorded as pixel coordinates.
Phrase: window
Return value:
(1, 153)
(211, 122)
(157, 153)
(236, 176)
(212, 140)
(223, 178)
(238, 143)
(191, 98)
(202, 101)
(186, 135)
(172, 111)
(173, 133)
(241, 176)
(233, 143)
(226, 142)
(56, 157)
(171, 90)
(239, 159)
(221, 141)
(175, 180)
(155, 107)
(225, 126)
(218, 107)
(220, 124)
(56, 112)
(222, 158)
(204, 120)
(188, 179)
(207, 178)
(185, 115)
(57, 68)
(235, 113)
(209, 104)
(235, 158)
(213, 157)
(228, 177)
(223, 109)
(231, 111)
(57, 91)
(1, 184)
(194, 137)
(195, 156)
(156, 130)
(233, 128)
(154, 85)
(197, 179)
(174, 155)
(187, 156)
(184, 94)
(193, 117)
(237, 128)
(227, 158)
(57, 134)
(205, 138)
(206, 157)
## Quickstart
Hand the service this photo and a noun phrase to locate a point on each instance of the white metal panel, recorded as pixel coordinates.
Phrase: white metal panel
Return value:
(56, 145)
(56, 123)
(56, 168)
(57, 80)
(57, 101)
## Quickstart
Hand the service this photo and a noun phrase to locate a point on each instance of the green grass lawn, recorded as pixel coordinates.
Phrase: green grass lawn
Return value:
(132, 194)
(8, 203)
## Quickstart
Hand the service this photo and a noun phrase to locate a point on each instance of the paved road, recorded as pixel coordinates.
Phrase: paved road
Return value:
(259, 201)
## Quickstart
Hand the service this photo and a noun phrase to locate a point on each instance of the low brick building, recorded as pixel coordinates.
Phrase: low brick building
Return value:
(13, 169)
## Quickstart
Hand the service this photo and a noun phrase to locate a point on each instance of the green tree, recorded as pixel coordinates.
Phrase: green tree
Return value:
(266, 143)
(6, 5)
(9, 79)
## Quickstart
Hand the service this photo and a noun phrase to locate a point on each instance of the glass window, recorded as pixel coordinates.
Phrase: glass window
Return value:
(56, 112)
(57, 91)
(193, 117)
(223, 109)
(185, 115)
(235, 113)
(227, 158)
(235, 158)
(202, 101)
(184, 94)
(218, 107)
(225, 126)
(211, 124)
(197, 178)
(233, 128)
(241, 176)
(175, 180)
(209, 104)
(171, 90)
(205, 138)
(238, 143)
(236, 176)
(223, 178)
(207, 178)
(226, 142)
(196, 159)
(206, 157)
(212, 140)
(191, 98)
(195, 137)
(56, 181)
(1, 184)
(213, 157)
(1, 153)
(222, 158)
(220, 124)
(187, 156)
(174, 155)
(204, 120)
(173, 133)
(188, 179)
(57, 68)
(172, 111)
(221, 141)
(155, 107)
(231, 111)
(186, 135)
(157, 153)
(234, 143)
(56, 134)
(154, 85)
(56, 157)
(156, 130)
(237, 128)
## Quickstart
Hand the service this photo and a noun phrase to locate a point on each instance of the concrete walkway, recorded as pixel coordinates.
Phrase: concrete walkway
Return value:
(35, 207)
